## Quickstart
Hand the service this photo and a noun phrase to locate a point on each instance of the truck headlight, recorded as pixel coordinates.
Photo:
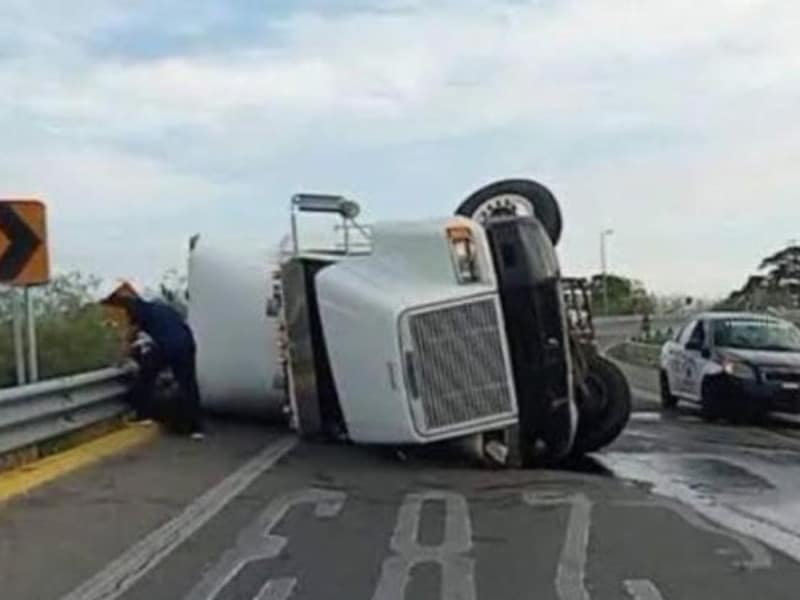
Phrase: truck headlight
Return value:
(465, 259)
(738, 369)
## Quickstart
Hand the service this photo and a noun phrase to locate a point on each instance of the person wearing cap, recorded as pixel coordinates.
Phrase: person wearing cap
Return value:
(174, 348)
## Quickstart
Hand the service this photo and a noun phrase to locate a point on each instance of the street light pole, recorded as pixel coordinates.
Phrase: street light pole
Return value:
(604, 265)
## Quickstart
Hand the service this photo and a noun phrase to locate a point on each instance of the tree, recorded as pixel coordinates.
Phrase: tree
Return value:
(778, 287)
(174, 290)
(74, 333)
(783, 277)
(625, 296)
(783, 267)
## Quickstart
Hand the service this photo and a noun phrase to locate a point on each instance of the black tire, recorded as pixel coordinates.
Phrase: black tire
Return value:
(606, 413)
(668, 400)
(542, 203)
(547, 448)
(710, 401)
(557, 439)
(517, 449)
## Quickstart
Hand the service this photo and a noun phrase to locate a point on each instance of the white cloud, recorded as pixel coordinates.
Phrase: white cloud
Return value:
(660, 117)
(450, 68)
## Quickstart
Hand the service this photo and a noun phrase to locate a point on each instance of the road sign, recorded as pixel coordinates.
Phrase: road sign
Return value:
(24, 258)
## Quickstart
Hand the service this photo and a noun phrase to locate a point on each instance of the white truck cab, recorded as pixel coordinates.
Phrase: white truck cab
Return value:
(415, 336)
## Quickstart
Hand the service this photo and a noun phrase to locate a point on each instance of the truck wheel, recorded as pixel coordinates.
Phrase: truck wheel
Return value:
(518, 450)
(515, 197)
(546, 448)
(668, 401)
(605, 414)
(557, 438)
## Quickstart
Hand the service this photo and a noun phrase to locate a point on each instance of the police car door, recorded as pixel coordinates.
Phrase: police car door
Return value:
(696, 359)
(672, 356)
(676, 359)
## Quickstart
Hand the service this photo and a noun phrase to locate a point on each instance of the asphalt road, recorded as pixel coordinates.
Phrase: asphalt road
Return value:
(676, 509)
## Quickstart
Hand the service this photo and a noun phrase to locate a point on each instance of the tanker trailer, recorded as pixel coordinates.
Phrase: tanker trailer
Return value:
(238, 369)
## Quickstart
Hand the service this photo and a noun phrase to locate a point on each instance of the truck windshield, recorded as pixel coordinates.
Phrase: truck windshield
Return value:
(757, 334)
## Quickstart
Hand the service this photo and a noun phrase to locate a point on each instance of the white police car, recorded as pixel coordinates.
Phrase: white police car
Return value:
(734, 365)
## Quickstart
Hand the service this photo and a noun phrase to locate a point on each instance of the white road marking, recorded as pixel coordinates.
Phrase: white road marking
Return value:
(277, 589)
(571, 577)
(770, 517)
(649, 416)
(759, 556)
(458, 571)
(257, 542)
(641, 589)
(123, 573)
(646, 395)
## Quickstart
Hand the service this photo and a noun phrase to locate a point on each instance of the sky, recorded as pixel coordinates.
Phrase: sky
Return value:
(143, 122)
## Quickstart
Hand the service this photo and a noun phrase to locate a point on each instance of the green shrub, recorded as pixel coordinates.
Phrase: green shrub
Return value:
(74, 334)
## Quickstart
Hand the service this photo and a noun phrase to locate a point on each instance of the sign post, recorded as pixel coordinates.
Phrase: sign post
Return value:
(24, 262)
(19, 344)
(33, 353)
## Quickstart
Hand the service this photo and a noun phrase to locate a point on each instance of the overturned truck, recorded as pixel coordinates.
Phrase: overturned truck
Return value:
(411, 333)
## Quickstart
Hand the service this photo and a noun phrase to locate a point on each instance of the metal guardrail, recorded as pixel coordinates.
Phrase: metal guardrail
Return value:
(641, 355)
(35, 413)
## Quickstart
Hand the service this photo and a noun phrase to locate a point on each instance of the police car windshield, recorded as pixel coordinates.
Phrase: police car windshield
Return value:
(756, 334)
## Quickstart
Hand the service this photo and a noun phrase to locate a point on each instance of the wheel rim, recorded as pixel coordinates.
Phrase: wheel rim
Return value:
(504, 205)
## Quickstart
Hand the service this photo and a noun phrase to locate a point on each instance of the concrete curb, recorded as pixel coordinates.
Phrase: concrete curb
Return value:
(20, 457)
(27, 478)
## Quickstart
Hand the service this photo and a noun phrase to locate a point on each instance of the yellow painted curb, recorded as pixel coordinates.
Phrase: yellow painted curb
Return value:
(24, 479)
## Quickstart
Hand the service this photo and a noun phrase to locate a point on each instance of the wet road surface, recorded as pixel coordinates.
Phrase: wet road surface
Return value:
(676, 509)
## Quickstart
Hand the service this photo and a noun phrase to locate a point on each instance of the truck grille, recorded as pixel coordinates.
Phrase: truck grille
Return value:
(460, 366)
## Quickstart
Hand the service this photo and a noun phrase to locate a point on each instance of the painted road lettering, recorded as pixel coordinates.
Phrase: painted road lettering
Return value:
(571, 576)
(277, 589)
(458, 570)
(642, 590)
(258, 543)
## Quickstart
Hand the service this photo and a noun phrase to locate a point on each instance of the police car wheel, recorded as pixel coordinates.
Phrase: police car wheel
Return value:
(515, 197)
(668, 400)
(710, 401)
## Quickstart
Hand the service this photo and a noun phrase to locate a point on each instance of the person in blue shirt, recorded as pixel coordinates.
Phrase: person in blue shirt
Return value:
(174, 348)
